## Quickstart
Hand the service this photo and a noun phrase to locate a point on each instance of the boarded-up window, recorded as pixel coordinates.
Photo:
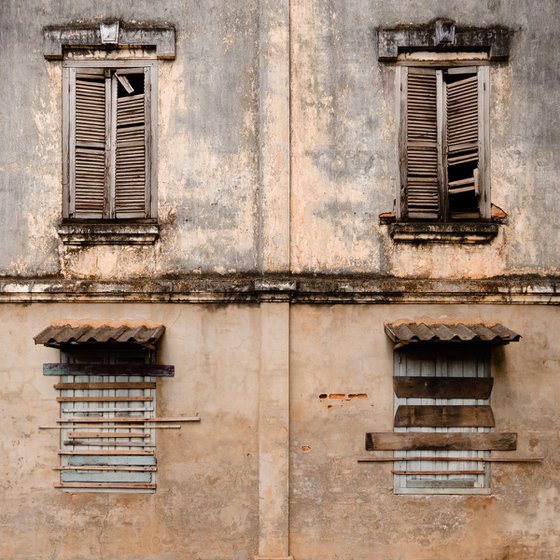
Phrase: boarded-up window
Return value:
(444, 143)
(442, 389)
(109, 141)
(104, 446)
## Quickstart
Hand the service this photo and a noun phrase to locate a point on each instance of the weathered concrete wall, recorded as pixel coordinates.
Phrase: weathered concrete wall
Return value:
(344, 133)
(347, 511)
(205, 505)
(214, 98)
(207, 145)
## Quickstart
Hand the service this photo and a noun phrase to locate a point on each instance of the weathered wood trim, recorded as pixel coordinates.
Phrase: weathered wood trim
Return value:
(146, 370)
(460, 441)
(443, 387)
(444, 416)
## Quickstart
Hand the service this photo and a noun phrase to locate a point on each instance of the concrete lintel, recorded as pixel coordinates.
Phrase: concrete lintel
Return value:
(494, 40)
(57, 38)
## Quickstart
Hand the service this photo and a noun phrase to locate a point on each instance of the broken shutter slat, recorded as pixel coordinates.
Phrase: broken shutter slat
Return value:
(146, 370)
(442, 416)
(89, 146)
(463, 441)
(443, 387)
(421, 152)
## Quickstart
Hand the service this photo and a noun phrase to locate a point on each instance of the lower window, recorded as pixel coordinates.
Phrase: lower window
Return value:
(106, 400)
(442, 389)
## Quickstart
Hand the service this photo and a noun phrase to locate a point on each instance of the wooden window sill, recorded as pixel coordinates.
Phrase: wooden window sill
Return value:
(108, 233)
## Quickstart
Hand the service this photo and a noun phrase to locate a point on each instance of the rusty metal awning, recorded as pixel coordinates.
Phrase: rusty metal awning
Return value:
(404, 333)
(56, 336)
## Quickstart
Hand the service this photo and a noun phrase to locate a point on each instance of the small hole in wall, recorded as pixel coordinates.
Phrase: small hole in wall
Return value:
(323, 396)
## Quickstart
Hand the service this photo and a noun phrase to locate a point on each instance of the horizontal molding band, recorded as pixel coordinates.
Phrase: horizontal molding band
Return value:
(523, 289)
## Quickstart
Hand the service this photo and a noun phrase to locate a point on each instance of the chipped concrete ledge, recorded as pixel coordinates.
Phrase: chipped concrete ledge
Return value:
(299, 289)
(426, 232)
(57, 38)
(108, 233)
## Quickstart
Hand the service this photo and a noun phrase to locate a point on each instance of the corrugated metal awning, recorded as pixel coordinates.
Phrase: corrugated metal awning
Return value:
(56, 336)
(450, 332)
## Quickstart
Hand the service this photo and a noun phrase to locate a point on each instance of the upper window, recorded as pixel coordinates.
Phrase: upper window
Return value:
(443, 143)
(109, 140)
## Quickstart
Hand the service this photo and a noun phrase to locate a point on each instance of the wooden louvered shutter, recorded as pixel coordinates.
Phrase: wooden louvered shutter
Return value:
(131, 198)
(420, 144)
(88, 144)
(463, 139)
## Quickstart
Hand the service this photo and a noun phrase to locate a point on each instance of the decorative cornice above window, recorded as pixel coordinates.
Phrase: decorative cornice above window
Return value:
(113, 34)
(443, 35)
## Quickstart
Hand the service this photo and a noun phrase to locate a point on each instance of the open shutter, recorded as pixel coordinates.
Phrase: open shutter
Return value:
(89, 145)
(421, 153)
(130, 162)
(463, 142)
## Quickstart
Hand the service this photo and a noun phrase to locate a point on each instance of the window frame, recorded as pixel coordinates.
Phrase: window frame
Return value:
(149, 67)
(442, 63)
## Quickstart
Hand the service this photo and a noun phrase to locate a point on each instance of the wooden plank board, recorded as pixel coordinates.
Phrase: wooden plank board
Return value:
(411, 458)
(110, 435)
(431, 483)
(443, 387)
(126, 459)
(460, 441)
(104, 399)
(102, 386)
(105, 468)
(109, 452)
(77, 442)
(120, 485)
(434, 473)
(147, 370)
(451, 459)
(444, 416)
(96, 426)
(105, 476)
(128, 419)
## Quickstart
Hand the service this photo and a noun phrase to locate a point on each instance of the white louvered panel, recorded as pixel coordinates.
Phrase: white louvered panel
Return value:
(90, 137)
(130, 167)
(422, 147)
